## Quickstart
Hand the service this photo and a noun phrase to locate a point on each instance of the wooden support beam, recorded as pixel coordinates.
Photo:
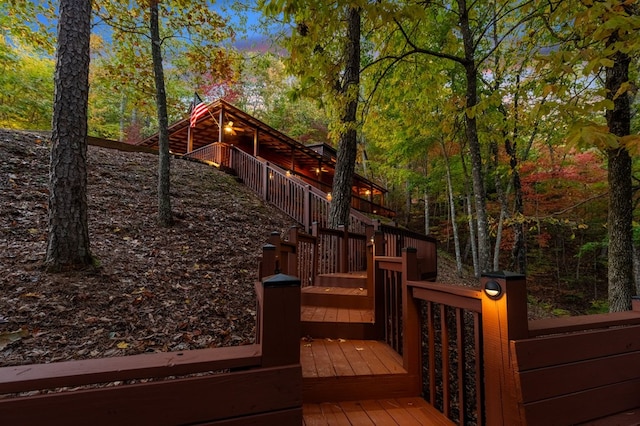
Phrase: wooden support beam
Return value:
(504, 318)
(411, 341)
(280, 321)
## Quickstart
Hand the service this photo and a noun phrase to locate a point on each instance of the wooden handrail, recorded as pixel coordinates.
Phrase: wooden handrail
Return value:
(559, 325)
(23, 378)
(268, 371)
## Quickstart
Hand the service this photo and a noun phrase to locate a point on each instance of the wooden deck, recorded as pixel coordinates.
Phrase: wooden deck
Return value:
(335, 314)
(341, 357)
(380, 412)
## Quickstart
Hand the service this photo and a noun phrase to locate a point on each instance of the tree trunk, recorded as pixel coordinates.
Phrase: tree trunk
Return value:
(68, 239)
(164, 199)
(471, 130)
(620, 272)
(340, 208)
(452, 208)
(427, 227)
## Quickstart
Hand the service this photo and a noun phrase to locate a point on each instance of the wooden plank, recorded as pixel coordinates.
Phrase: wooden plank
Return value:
(200, 400)
(331, 314)
(629, 417)
(323, 363)
(319, 314)
(81, 372)
(307, 312)
(350, 388)
(374, 364)
(312, 415)
(354, 357)
(307, 361)
(399, 413)
(582, 322)
(425, 413)
(334, 414)
(390, 358)
(552, 350)
(583, 406)
(338, 359)
(343, 315)
(444, 347)
(376, 412)
(284, 417)
(574, 377)
(450, 299)
(355, 413)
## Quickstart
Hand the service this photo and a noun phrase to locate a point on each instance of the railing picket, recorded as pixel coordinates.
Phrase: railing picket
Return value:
(461, 376)
(444, 345)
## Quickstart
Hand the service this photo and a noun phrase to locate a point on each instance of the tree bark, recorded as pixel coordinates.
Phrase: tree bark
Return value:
(340, 208)
(619, 221)
(68, 238)
(471, 130)
(165, 217)
(452, 208)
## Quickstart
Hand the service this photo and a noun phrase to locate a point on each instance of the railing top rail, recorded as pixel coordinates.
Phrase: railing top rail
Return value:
(406, 232)
(23, 378)
(466, 298)
(560, 325)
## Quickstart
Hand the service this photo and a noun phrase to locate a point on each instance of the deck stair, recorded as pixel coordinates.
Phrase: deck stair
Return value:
(349, 378)
(338, 307)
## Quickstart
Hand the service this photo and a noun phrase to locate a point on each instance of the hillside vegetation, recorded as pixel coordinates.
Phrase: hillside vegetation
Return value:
(190, 286)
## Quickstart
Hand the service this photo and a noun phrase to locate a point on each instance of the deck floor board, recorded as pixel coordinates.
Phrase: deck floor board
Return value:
(342, 357)
(331, 314)
(384, 412)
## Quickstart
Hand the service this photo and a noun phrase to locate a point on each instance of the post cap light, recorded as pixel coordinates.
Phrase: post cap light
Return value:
(492, 289)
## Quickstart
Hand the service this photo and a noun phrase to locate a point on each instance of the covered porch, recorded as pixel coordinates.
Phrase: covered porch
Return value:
(225, 127)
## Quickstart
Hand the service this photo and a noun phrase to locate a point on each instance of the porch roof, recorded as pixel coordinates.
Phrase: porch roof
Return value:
(247, 130)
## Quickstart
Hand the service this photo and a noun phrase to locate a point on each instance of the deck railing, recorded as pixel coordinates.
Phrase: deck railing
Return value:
(237, 385)
(483, 362)
(217, 153)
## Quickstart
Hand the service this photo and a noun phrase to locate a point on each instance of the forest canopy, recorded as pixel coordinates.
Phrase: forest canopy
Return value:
(493, 124)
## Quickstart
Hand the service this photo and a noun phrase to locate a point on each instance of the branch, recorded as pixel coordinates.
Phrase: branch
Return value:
(558, 213)
(417, 49)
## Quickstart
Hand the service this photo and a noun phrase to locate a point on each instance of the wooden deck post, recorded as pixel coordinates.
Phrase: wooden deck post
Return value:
(378, 282)
(343, 261)
(280, 320)
(268, 263)
(504, 318)
(307, 209)
(411, 340)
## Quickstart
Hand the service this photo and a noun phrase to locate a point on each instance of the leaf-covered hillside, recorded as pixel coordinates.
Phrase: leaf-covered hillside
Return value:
(190, 286)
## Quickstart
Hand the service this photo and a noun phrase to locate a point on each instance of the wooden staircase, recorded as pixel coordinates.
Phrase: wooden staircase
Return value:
(350, 378)
(339, 306)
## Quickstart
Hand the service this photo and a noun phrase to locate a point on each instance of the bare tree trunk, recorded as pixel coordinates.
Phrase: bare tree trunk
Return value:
(620, 272)
(472, 224)
(340, 207)
(164, 199)
(427, 227)
(68, 238)
(471, 129)
(452, 208)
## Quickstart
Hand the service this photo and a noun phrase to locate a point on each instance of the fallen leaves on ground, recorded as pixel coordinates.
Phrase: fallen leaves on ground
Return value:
(186, 287)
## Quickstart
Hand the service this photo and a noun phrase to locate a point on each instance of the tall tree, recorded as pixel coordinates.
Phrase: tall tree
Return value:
(193, 32)
(164, 199)
(603, 42)
(68, 242)
(325, 53)
(349, 90)
(620, 272)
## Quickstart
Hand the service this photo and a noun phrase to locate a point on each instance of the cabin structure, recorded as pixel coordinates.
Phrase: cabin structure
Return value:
(215, 132)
